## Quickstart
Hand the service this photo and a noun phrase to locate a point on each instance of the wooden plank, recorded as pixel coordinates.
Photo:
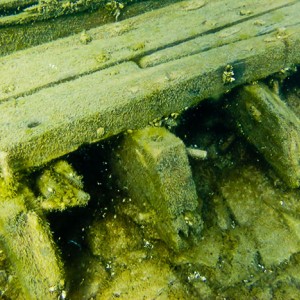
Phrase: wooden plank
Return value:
(21, 36)
(143, 163)
(15, 4)
(277, 22)
(114, 43)
(26, 238)
(70, 102)
(272, 127)
(27, 11)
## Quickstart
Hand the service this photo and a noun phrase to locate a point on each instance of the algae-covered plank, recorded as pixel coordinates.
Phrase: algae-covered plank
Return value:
(21, 36)
(27, 11)
(15, 4)
(68, 102)
(277, 21)
(57, 120)
(272, 127)
(27, 239)
(130, 39)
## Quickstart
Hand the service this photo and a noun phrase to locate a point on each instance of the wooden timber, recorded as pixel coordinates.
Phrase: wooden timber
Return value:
(272, 127)
(6, 5)
(58, 96)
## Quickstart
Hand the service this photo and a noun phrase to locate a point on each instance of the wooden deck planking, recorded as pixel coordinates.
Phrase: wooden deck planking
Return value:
(131, 39)
(84, 101)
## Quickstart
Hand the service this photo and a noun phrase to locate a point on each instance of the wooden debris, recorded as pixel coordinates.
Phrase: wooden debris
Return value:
(154, 166)
(77, 88)
(27, 239)
(272, 127)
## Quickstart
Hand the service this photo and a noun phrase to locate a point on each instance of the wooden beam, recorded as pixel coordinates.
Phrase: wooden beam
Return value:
(58, 96)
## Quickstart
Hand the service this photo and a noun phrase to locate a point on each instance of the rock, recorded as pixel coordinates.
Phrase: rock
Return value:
(61, 188)
(247, 193)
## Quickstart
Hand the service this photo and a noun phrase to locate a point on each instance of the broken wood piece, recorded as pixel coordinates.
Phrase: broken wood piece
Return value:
(14, 5)
(153, 164)
(27, 240)
(272, 127)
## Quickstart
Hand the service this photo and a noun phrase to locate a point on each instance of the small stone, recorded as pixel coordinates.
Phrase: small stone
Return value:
(85, 38)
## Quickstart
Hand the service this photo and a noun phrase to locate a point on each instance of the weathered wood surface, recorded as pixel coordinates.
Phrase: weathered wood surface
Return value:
(16, 34)
(57, 96)
(26, 11)
(27, 240)
(15, 4)
(144, 162)
(272, 127)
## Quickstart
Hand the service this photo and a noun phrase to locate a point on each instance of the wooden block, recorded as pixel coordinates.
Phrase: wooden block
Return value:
(153, 164)
(272, 127)
(28, 243)
(135, 38)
